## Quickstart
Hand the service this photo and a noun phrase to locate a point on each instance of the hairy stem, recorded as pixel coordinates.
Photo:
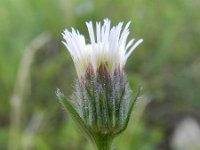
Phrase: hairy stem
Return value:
(103, 142)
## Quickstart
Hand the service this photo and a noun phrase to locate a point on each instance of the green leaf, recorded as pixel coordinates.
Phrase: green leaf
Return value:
(132, 102)
(75, 116)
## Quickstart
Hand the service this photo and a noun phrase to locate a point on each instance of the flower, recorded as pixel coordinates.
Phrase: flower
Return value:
(101, 102)
(109, 47)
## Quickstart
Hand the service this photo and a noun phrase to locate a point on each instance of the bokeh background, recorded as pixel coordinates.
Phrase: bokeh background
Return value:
(34, 62)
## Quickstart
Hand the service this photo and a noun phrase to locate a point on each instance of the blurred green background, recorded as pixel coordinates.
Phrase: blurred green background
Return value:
(166, 64)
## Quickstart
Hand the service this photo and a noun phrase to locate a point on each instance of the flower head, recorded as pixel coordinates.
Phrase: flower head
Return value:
(108, 46)
(101, 102)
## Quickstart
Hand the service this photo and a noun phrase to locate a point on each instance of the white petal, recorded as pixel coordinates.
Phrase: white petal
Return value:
(133, 47)
(108, 45)
(91, 32)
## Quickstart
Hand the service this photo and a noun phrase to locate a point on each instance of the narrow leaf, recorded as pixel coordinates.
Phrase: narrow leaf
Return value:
(131, 104)
(75, 116)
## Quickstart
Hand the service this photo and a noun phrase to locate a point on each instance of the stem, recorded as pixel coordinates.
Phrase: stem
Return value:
(104, 142)
(16, 101)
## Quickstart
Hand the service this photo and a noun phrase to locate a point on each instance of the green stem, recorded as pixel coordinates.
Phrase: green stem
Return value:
(104, 142)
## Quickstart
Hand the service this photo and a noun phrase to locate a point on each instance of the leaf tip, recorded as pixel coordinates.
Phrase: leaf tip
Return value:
(58, 93)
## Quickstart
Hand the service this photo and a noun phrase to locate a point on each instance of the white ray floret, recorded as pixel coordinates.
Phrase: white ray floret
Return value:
(108, 46)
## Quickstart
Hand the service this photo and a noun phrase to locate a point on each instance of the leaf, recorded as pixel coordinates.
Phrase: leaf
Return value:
(75, 116)
(132, 102)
